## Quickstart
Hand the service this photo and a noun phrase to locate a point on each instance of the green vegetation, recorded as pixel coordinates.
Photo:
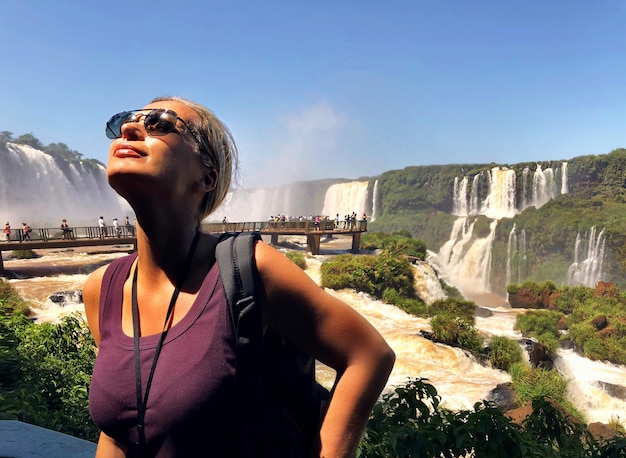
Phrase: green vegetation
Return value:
(456, 332)
(532, 382)
(452, 323)
(45, 369)
(596, 319)
(398, 243)
(410, 422)
(541, 325)
(504, 352)
(370, 274)
(298, 258)
(420, 199)
(23, 254)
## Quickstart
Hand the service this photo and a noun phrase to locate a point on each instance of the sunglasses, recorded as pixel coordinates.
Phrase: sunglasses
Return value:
(157, 122)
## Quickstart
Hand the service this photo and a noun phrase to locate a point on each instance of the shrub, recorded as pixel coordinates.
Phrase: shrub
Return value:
(409, 422)
(456, 307)
(572, 297)
(10, 301)
(23, 254)
(541, 324)
(413, 306)
(370, 274)
(455, 331)
(398, 243)
(504, 352)
(532, 383)
(298, 258)
(46, 370)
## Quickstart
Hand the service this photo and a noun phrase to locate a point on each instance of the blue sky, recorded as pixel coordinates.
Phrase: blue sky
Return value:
(327, 89)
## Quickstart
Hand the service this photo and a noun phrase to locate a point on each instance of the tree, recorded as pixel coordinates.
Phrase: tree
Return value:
(30, 140)
(6, 136)
(62, 151)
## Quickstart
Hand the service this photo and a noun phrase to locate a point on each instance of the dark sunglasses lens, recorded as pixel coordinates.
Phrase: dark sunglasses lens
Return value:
(160, 122)
(114, 125)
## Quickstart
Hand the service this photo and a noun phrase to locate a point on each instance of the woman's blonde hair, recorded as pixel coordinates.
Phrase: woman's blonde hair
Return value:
(216, 148)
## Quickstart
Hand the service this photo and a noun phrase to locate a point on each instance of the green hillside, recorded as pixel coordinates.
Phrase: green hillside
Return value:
(420, 199)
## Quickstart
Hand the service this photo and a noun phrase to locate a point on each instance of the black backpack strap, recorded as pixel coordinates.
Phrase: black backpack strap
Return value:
(235, 259)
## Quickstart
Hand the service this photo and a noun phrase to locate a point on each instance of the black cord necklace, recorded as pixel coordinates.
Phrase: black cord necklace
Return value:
(143, 400)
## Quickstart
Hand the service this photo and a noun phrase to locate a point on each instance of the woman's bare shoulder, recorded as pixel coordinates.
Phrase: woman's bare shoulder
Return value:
(91, 300)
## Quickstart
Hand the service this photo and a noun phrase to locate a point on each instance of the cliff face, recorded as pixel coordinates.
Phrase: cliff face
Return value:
(586, 205)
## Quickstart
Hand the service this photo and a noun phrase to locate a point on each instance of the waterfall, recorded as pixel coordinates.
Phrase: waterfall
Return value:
(475, 195)
(500, 202)
(36, 189)
(544, 186)
(375, 201)
(525, 190)
(587, 272)
(308, 198)
(464, 265)
(465, 260)
(427, 283)
(459, 197)
(345, 198)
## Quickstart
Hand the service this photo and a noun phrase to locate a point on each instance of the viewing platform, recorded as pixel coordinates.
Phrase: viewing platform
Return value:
(84, 236)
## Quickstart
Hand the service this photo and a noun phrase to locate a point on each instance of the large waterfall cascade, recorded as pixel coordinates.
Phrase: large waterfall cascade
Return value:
(346, 198)
(587, 271)
(260, 204)
(464, 258)
(33, 188)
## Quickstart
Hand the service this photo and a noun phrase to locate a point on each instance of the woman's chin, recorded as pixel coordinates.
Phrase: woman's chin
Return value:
(127, 183)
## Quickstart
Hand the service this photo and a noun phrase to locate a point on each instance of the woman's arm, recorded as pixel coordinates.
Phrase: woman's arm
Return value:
(109, 448)
(91, 300)
(334, 333)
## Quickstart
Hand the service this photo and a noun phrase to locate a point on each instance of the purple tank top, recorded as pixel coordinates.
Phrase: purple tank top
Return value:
(190, 407)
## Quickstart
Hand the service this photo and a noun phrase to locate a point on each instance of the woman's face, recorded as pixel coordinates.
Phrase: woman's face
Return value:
(164, 167)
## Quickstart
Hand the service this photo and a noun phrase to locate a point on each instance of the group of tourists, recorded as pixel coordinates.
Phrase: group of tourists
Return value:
(349, 221)
(25, 232)
(117, 230)
(67, 233)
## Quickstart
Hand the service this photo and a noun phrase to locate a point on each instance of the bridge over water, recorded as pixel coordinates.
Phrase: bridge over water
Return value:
(47, 237)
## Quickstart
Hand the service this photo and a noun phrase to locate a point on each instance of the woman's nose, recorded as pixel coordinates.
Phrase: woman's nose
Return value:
(133, 130)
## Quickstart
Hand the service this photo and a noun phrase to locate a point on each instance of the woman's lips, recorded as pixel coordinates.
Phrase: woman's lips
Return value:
(127, 151)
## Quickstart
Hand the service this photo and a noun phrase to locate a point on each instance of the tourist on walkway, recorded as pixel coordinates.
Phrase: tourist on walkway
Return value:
(68, 232)
(26, 230)
(103, 227)
(130, 232)
(173, 161)
(116, 228)
(7, 231)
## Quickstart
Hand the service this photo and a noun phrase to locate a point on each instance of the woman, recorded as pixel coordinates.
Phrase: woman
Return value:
(7, 231)
(173, 161)
(67, 230)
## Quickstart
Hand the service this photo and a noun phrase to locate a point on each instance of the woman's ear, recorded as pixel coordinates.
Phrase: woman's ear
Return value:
(208, 181)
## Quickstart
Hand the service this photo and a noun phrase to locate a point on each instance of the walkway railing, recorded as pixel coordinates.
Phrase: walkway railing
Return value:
(125, 231)
(45, 234)
(53, 237)
(286, 226)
